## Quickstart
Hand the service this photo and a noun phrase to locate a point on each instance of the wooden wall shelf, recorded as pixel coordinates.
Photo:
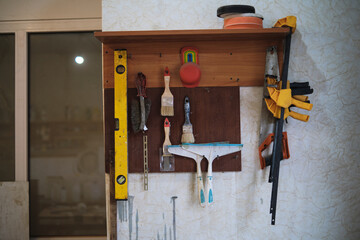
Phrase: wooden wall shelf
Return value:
(227, 57)
(190, 35)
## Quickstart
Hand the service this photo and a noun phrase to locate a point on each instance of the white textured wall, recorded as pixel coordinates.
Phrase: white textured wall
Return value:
(23, 10)
(14, 209)
(319, 189)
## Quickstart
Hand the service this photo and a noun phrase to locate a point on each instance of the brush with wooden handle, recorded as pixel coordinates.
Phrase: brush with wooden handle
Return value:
(167, 136)
(167, 99)
(187, 136)
(167, 159)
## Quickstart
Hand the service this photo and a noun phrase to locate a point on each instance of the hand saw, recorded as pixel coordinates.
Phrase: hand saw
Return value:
(267, 121)
(271, 70)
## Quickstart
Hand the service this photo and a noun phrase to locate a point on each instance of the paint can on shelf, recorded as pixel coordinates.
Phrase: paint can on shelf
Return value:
(243, 21)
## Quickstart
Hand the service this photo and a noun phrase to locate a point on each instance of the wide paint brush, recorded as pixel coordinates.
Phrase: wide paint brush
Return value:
(167, 99)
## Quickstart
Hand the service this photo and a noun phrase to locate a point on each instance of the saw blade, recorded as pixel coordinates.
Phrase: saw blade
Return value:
(267, 121)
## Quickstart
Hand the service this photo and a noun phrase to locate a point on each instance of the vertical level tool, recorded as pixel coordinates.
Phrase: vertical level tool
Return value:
(121, 136)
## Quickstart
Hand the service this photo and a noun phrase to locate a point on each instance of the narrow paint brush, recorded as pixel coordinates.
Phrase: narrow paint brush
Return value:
(187, 135)
(167, 99)
(167, 159)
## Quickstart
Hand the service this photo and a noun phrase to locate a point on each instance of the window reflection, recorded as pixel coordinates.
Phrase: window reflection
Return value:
(7, 107)
(67, 186)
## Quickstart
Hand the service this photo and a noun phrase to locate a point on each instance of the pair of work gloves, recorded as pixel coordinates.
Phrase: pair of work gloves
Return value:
(292, 96)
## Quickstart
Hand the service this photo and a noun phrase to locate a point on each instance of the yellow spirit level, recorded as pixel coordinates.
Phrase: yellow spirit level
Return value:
(121, 136)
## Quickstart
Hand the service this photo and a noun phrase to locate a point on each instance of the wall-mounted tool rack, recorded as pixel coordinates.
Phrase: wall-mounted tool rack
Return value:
(228, 59)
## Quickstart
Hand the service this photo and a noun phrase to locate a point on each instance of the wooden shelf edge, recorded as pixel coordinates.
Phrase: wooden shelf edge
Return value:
(191, 35)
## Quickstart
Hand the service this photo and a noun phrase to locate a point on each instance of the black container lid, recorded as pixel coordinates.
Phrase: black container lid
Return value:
(229, 9)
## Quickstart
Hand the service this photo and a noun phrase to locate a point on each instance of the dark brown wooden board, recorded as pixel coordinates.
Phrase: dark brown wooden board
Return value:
(109, 126)
(108, 96)
(215, 116)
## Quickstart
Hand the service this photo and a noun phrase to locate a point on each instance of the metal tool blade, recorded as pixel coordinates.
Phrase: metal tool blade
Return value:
(267, 120)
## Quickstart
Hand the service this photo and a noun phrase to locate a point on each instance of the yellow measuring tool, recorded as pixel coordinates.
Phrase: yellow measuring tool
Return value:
(121, 136)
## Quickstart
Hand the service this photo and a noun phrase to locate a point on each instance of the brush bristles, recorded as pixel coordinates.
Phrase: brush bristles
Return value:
(167, 111)
(187, 138)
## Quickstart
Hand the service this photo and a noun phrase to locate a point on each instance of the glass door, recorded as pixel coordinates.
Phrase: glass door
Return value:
(66, 154)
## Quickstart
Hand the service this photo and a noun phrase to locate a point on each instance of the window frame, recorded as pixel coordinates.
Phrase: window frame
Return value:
(21, 29)
(12, 33)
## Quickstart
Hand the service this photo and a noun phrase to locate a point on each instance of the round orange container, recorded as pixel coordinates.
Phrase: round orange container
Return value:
(243, 22)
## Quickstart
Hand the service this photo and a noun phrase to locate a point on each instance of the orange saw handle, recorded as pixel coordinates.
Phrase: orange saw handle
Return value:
(269, 139)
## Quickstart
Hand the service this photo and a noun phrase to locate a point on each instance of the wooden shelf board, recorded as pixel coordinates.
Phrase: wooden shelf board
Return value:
(227, 57)
(190, 35)
(234, 63)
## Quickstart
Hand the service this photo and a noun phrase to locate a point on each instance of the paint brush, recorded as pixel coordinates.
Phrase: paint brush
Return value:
(167, 159)
(187, 136)
(167, 99)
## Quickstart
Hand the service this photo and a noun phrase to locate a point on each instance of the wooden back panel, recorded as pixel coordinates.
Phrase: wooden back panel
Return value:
(215, 116)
